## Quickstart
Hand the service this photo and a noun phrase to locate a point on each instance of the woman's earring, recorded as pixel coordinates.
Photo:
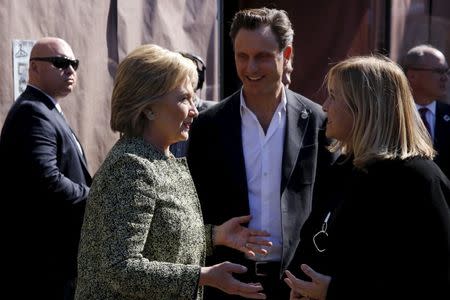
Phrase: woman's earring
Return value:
(149, 114)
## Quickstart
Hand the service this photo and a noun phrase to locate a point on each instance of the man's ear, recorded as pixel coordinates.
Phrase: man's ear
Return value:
(287, 53)
(33, 66)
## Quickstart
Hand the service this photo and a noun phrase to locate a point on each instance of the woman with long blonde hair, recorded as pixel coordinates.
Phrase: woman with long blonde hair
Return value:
(381, 230)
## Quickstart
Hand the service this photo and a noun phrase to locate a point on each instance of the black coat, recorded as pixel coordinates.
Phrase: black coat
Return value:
(442, 137)
(388, 232)
(46, 182)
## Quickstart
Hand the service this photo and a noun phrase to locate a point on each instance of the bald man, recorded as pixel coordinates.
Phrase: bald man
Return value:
(427, 71)
(45, 176)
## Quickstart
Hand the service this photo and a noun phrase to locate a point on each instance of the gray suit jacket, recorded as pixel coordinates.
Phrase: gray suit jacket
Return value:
(143, 235)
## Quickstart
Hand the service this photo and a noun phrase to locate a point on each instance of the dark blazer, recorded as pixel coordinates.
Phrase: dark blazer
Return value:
(216, 161)
(388, 232)
(47, 183)
(442, 137)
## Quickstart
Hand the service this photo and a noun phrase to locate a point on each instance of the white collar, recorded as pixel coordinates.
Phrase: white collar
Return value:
(244, 107)
(431, 107)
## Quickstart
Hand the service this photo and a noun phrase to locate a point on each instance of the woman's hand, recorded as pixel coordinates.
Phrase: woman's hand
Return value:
(220, 276)
(315, 289)
(232, 234)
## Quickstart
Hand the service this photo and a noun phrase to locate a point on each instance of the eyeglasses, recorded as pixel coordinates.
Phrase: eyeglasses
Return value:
(320, 239)
(60, 62)
(435, 70)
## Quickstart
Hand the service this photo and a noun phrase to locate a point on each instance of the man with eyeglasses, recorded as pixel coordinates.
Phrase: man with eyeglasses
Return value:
(427, 71)
(45, 175)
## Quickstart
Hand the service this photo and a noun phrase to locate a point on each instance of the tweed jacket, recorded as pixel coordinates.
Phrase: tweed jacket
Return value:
(143, 235)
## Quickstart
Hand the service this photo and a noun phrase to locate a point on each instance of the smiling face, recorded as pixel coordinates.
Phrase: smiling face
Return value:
(173, 116)
(56, 82)
(259, 62)
(340, 119)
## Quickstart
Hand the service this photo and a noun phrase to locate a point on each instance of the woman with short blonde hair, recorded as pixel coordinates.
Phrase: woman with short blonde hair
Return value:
(143, 235)
(386, 123)
(148, 73)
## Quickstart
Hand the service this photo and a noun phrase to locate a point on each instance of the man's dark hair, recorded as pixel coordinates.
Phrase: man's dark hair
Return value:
(252, 19)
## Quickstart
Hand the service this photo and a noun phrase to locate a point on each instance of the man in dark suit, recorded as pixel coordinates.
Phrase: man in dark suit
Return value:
(45, 176)
(427, 71)
(257, 151)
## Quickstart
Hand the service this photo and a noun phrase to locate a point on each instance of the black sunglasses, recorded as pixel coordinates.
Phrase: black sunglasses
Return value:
(60, 62)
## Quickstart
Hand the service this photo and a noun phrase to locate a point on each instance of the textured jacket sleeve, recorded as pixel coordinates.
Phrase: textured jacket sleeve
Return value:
(209, 239)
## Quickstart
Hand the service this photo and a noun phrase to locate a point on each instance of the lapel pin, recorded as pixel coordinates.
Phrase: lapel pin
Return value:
(304, 114)
(446, 118)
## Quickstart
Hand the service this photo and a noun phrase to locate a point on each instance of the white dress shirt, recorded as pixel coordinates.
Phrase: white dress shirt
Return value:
(430, 115)
(263, 154)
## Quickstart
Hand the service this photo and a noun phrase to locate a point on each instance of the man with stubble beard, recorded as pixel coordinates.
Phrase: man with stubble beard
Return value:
(259, 151)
